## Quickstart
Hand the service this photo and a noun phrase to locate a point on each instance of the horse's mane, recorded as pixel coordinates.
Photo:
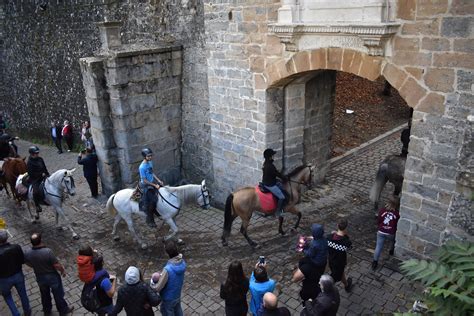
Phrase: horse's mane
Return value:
(296, 171)
(185, 192)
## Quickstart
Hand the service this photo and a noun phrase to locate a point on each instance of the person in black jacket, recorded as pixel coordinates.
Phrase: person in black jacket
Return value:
(37, 172)
(338, 244)
(269, 179)
(234, 290)
(11, 274)
(327, 302)
(135, 296)
(405, 136)
(89, 160)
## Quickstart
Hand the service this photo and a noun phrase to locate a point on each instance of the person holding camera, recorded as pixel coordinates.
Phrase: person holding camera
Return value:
(312, 265)
(234, 290)
(259, 285)
(88, 159)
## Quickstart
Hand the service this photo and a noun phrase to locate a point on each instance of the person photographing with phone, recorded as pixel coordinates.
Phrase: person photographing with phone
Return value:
(259, 285)
(312, 265)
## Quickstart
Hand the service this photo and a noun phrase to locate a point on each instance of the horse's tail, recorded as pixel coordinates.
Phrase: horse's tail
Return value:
(228, 218)
(380, 180)
(110, 205)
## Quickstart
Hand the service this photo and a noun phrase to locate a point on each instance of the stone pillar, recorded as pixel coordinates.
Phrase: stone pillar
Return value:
(98, 105)
(294, 117)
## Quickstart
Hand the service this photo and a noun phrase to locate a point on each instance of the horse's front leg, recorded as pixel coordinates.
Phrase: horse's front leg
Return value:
(60, 212)
(174, 230)
(131, 229)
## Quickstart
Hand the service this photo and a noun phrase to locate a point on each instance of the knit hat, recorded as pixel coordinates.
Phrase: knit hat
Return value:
(132, 276)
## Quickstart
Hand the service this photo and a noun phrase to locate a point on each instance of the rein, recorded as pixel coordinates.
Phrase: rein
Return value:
(55, 195)
(168, 202)
(308, 185)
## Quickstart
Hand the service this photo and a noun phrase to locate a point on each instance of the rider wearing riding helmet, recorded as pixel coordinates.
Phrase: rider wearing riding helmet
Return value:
(37, 171)
(269, 179)
(149, 184)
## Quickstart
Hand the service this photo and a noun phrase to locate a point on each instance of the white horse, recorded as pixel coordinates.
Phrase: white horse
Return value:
(56, 187)
(170, 200)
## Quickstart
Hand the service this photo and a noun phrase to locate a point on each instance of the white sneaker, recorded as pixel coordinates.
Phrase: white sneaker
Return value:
(68, 150)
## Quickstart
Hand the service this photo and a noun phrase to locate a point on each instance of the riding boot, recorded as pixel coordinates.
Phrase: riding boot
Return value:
(150, 220)
(280, 207)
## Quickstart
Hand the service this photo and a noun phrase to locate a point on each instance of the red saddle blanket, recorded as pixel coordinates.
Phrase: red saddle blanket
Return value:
(268, 202)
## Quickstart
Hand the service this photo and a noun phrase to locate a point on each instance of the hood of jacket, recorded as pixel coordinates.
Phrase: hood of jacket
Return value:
(317, 230)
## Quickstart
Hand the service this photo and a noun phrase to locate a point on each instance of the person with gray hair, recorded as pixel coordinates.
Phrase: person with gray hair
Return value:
(327, 302)
(11, 274)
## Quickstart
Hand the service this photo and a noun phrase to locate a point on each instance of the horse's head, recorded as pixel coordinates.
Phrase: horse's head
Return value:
(302, 175)
(204, 198)
(68, 182)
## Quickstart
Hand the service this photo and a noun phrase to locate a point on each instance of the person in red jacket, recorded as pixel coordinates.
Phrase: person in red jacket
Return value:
(387, 223)
(66, 133)
(85, 265)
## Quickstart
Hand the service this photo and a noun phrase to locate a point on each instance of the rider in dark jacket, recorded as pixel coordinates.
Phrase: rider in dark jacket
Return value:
(7, 146)
(37, 171)
(269, 179)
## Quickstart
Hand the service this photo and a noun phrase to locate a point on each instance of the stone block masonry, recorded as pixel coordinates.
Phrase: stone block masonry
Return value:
(134, 100)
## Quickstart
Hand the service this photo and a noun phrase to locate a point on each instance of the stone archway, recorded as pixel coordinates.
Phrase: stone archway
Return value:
(300, 96)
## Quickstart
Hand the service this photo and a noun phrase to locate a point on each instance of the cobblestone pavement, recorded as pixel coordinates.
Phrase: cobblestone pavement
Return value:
(345, 194)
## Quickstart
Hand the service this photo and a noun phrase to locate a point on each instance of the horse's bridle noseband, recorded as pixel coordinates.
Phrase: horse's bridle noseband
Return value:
(67, 188)
(204, 194)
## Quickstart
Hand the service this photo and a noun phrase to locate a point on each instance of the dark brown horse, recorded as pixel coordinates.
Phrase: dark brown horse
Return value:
(11, 169)
(245, 201)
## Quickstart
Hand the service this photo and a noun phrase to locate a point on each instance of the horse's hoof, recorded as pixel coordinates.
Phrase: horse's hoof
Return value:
(116, 238)
(283, 233)
(144, 246)
(225, 244)
(180, 242)
(76, 237)
(37, 217)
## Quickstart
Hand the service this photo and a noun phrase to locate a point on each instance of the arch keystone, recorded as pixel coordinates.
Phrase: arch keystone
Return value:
(334, 58)
(347, 58)
(318, 59)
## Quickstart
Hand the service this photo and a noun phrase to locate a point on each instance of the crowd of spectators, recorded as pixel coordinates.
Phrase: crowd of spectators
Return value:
(319, 295)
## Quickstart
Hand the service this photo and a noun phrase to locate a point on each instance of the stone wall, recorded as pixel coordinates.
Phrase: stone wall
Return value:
(42, 79)
(430, 61)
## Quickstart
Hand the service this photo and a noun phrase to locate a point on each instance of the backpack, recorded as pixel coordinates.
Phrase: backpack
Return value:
(90, 297)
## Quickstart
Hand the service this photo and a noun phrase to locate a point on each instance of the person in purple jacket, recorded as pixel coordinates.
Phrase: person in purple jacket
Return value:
(387, 227)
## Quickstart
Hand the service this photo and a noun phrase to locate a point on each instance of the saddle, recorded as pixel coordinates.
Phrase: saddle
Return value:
(137, 194)
(268, 202)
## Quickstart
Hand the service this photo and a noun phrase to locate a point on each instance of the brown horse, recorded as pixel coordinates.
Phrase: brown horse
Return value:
(11, 169)
(246, 200)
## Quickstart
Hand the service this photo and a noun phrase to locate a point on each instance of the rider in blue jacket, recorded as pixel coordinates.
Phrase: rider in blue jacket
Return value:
(150, 184)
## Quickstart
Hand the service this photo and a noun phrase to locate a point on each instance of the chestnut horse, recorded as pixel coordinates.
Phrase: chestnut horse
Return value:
(244, 201)
(11, 169)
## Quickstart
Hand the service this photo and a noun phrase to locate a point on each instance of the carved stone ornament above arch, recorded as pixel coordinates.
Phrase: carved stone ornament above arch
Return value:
(362, 25)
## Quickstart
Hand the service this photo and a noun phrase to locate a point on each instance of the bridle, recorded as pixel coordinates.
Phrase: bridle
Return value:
(308, 183)
(205, 197)
(65, 185)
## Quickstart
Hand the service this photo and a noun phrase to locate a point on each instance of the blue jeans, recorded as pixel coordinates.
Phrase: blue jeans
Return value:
(18, 281)
(51, 282)
(380, 241)
(171, 308)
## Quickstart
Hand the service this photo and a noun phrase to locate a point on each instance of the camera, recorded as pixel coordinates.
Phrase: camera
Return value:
(261, 260)
(302, 241)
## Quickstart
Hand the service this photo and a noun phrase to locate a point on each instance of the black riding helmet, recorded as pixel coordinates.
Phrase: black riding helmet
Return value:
(268, 153)
(146, 151)
(33, 150)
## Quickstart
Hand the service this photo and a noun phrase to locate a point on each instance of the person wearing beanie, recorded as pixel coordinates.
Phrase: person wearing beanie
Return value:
(171, 281)
(135, 296)
(11, 274)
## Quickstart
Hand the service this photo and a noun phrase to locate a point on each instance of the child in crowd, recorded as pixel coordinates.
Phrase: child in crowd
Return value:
(85, 267)
(338, 244)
